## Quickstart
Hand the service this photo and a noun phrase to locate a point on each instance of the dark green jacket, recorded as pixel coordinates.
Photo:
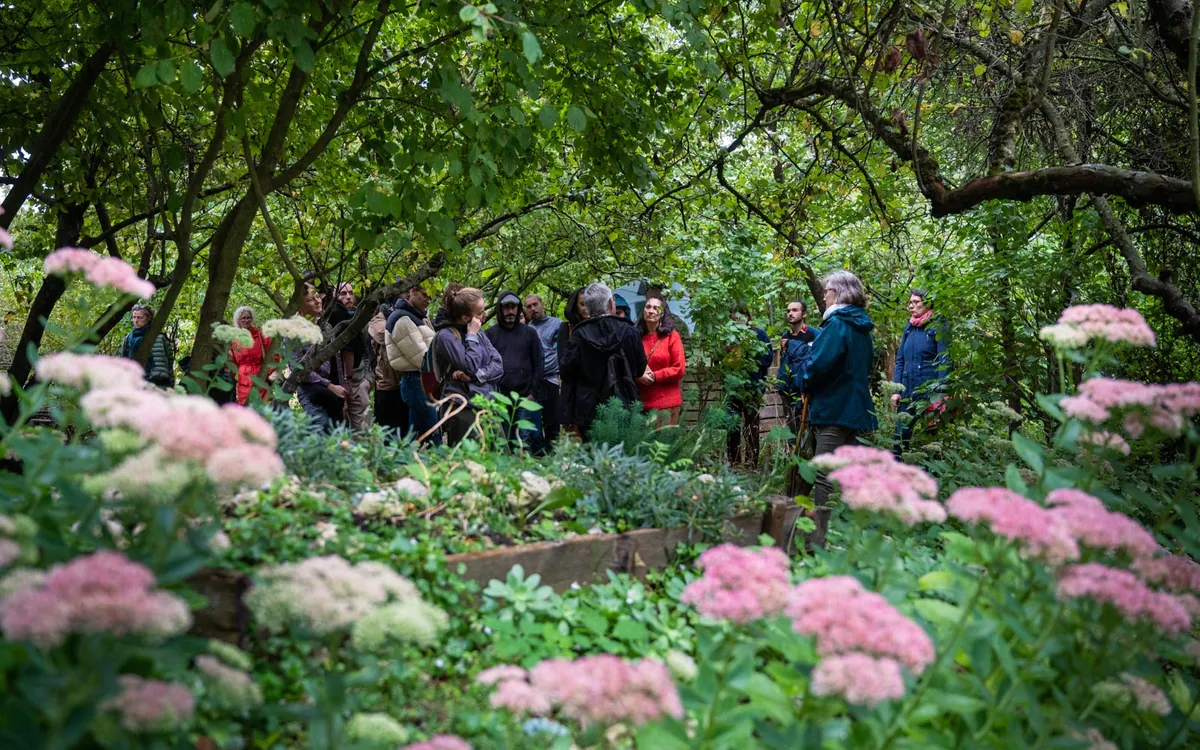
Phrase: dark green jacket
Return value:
(160, 368)
(839, 371)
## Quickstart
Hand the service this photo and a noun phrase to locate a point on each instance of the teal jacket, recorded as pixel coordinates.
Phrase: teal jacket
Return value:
(839, 372)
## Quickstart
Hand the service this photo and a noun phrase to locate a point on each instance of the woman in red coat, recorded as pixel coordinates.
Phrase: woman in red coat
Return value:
(661, 385)
(248, 359)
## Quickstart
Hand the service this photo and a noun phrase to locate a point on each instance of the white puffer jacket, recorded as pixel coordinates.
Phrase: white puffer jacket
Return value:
(407, 343)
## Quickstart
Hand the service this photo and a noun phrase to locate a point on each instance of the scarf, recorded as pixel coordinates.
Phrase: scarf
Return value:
(919, 321)
(135, 338)
(830, 310)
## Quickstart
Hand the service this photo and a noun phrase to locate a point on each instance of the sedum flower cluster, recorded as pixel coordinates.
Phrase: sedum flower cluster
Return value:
(151, 705)
(740, 585)
(323, 595)
(231, 689)
(872, 479)
(440, 742)
(228, 334)
(103, 592)
(101, 271)
(376, 729)
(16, 540)
(592, 690)
(1082, 323)
(1035, 530)
(295, 328)
(1166, 408)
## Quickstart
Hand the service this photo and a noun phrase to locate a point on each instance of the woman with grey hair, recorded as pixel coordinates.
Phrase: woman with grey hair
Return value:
(248, 360)
(838, 381)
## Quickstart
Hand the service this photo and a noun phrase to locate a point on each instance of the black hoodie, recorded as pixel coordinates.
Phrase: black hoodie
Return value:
(584, 364)
(521, 349)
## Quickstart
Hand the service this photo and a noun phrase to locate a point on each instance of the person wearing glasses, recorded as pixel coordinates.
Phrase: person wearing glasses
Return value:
(922, 362)
(838, 381)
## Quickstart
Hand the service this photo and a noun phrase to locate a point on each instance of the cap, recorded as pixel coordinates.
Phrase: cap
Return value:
(508, 298)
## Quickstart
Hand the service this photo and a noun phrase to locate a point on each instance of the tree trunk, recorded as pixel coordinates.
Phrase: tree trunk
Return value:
(223, 258)
(70, 226)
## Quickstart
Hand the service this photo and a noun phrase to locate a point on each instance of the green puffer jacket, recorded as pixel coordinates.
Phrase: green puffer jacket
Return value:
(160, 368)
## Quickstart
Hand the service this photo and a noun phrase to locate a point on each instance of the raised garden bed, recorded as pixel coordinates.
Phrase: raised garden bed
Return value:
(582, 560)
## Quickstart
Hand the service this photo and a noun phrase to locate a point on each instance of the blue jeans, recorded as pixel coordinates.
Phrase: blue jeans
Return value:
(531, 439)
(422, 415)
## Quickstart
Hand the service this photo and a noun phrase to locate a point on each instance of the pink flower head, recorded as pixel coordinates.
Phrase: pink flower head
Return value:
(245, 465)
(519, 697)
(861, 679)
(740, 585)
(251, 424)
(100, 592)
(151, 705)
(1094, 525)
(852, 454)
(9, 551)
(1163, 407)
(1174, 573)
(117, 274)
(1096, 740)
(1116, 324)
(120, 406)
(440, 742)
(85, 371)
(1036, 530)
(607, 690)
(1126, 592)
(1147, 695)
(68, 260)
(845, 618)
(1109, 440)
(501, 673)
(895, 488)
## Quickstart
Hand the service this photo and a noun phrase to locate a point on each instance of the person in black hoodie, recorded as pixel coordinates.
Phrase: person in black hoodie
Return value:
(600, 337)
(524, 364)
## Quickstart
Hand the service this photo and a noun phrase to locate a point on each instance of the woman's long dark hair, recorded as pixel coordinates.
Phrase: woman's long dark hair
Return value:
(572, 311)
(665, 325)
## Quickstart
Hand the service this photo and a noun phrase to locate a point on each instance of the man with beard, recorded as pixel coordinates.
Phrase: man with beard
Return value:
(548, 330)
(524, 362)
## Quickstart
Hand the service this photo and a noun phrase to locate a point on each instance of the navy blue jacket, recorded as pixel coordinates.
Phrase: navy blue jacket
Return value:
(923, 357)
(839, 371)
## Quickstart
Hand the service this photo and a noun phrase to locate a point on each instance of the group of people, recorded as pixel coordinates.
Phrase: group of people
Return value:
(425, 371)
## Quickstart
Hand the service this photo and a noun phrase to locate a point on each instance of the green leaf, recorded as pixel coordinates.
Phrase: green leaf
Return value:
(937, 611)
(1030, 452)
(548, 116)
(531, 48)
(242, 19)
(937, 579)
(980, 70)
(166, 71)
(303, 54)
(191, 76)
(576, 119)
(146, 77)
(222, 58)
(663, 735)
(631, 630)
(468, 13)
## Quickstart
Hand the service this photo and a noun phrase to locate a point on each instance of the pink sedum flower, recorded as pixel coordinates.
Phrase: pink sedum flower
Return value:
(1094, 525)
(846, 618)
(1110, 440)
(1172, 572)
(9, 551)
(68, 260)
(117, 274)
(100, 592)
(1097, 741)
(852, 454)
(521, 698)
(1037, 531)
(860, 679)
(441, 742)
(1148, 696)
(1127, 593)
(740, 585)
(893, 488)
(249, 465)
(1163, 407)
(151, 705)
(501, 673)
(607, 690)
(90, 371)
(1115, 324)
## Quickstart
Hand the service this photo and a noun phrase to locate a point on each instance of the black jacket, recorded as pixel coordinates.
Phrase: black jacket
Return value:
(584, 364)
(521, 349)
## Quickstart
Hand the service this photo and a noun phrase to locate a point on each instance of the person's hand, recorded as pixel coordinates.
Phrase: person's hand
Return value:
(474, 325)
(647, 377)
(461, 376)
(337, 390)
(895, 400)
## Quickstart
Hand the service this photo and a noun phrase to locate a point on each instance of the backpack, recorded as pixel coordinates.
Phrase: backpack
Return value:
(793, 365)
(618, 382)
(431, 379)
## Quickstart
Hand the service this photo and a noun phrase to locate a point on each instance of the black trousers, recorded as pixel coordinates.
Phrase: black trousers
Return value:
(547, 397)
(391, 411)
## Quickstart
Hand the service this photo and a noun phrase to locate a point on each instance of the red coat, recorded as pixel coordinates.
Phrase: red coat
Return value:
(664, 357)
(249, 361)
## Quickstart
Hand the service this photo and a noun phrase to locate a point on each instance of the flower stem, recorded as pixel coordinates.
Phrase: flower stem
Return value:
(927, 679)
